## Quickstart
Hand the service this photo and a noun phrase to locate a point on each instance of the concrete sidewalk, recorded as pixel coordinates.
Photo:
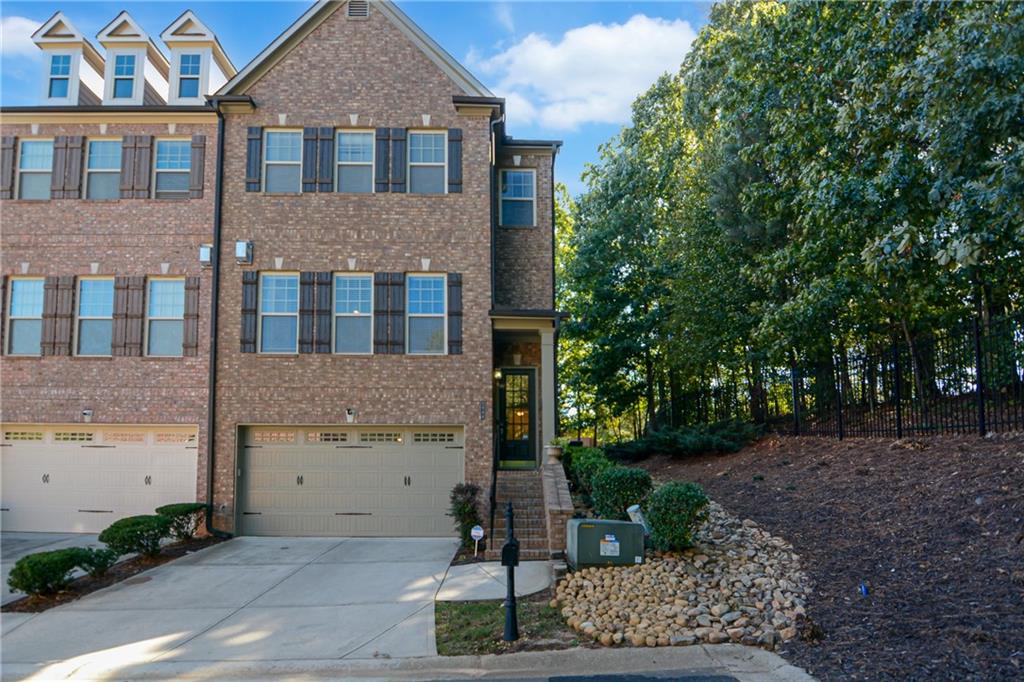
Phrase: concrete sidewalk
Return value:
(487, 580)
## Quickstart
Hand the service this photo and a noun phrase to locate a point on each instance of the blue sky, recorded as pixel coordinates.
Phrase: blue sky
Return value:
(569, 70)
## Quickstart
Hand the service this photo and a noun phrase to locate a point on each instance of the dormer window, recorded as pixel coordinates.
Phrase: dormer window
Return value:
(188, 75)
(60, 76)
(124, 76)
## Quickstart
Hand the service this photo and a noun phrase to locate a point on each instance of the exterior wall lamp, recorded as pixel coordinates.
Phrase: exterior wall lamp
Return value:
(497, 374)
(243, 252)
(206, 255)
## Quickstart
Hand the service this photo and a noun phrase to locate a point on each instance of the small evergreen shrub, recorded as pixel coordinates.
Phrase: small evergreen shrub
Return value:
(185, 518)
(96, 562)
(616, 489)
(675, 512)
(586, 464)
(465, 510)
(137, 534)
(44, 572)
(725, 436)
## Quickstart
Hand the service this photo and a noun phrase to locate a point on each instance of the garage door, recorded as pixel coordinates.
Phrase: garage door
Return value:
(367, 481)
(81, 478)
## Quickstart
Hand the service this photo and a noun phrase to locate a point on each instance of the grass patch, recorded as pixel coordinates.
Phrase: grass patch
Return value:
(476, 627)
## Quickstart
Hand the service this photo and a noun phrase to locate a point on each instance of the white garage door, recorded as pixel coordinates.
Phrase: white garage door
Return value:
(79, 479)
(338, 481)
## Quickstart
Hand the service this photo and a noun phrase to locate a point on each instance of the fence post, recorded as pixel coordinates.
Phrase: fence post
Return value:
(897, 389)
(796, 400)
(837, 378)
(979, 377)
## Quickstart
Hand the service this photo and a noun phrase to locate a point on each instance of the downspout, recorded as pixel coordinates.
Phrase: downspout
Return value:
(211, 414)
(495, 440)
(554, 301)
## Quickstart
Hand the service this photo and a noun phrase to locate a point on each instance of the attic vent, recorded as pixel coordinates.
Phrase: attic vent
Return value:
(358, 9)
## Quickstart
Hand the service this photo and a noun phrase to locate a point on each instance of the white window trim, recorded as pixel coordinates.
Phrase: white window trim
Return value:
(266, 133)
(11, 317)
(187, 173)
(73, 77)
(533, 174)
(335, 315)
(260, 314)
(205, 54)
(409, 164)
(372, 163)
(138, 78)
(149, 318)
(31, 171)
(88, 171)
(79, 317)
(443, 315)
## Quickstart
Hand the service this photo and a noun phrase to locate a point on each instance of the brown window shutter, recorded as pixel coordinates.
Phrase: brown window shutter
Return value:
(307, 310)
(396, 308)
(64, 316)
(324, 312)
(454, 313)
(120, 333)
(380, 312)
(325, 160)
(380, 170)
(398, 159)
(49, 332)
(254, 164)
(7, 146)
(250, 284)
(143, 166)
(454, 160)
(309, 147)
(73, 167)
(127, 166)
(197, 167)
(59, 168)
(136, 317)
(190, 337)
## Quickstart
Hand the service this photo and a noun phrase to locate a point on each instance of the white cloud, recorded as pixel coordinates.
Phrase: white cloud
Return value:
(591, 75)
(16, 37)
(503, 15)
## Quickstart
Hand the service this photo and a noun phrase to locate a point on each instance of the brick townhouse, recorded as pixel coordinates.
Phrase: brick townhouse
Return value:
(362, 250)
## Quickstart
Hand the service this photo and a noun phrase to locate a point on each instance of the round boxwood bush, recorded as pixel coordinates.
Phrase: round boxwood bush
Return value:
(185, 518)
(616, 489)
(96, 562)
(675, 512)
(44, 572)
(586, 464)
(137, 534)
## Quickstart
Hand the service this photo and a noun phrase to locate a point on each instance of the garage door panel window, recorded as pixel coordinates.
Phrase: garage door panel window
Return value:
(279, 314)
(426, 315)
(26, 317)
(95, 316)
(353, 314)
(166, 317)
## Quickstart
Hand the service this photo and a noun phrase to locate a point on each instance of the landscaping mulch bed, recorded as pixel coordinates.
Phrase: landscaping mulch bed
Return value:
(124, 570)
(932, 528)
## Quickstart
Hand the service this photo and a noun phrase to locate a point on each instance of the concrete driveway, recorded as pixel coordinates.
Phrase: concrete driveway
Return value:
(13, 546)
(248, 599)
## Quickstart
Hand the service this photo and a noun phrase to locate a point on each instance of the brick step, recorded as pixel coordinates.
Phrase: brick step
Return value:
(524, 554)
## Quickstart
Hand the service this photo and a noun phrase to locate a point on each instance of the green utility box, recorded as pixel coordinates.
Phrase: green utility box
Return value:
(601, 542)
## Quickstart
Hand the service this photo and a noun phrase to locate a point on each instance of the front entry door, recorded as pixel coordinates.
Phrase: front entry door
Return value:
(517, 414)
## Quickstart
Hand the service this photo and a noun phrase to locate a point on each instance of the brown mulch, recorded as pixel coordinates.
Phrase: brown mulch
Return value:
(933, 528)
(124, 570)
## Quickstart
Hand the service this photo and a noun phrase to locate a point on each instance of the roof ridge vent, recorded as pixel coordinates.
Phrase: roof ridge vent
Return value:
(357, 9)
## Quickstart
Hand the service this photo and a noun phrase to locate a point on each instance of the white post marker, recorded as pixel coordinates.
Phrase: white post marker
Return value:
(477, 533)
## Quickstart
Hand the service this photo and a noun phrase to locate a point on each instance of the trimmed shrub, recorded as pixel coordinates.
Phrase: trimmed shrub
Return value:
(725, 436)
(96, 562)
(185, 518)
(465, 511)
(45, 572)
(137, 534)
(675, 512)
(586, 464)
(616, 489)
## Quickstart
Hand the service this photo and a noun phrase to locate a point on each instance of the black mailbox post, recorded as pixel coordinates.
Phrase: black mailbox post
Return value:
(510, 559)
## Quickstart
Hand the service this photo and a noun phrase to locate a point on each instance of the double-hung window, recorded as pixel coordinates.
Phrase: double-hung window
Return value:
(95, 315)
(60, 76)
(172, 167)
(124, 76)
(165, 326)
(26, 318)
(188, 75)
(427, 174)
(425, 314)
(518, 198)
(355, 162)
(35, 166)
(353, 314)
(279, 313)
(282, 162)
(103, 170)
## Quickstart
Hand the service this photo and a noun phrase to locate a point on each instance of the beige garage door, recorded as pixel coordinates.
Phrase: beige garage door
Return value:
(337, 481)
(80, 478)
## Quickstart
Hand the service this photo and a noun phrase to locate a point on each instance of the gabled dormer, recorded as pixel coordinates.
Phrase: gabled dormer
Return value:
(136, 70)
(199, 66)
(74, 69)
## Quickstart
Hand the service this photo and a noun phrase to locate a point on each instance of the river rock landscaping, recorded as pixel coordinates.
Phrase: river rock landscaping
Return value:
(739, 583)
